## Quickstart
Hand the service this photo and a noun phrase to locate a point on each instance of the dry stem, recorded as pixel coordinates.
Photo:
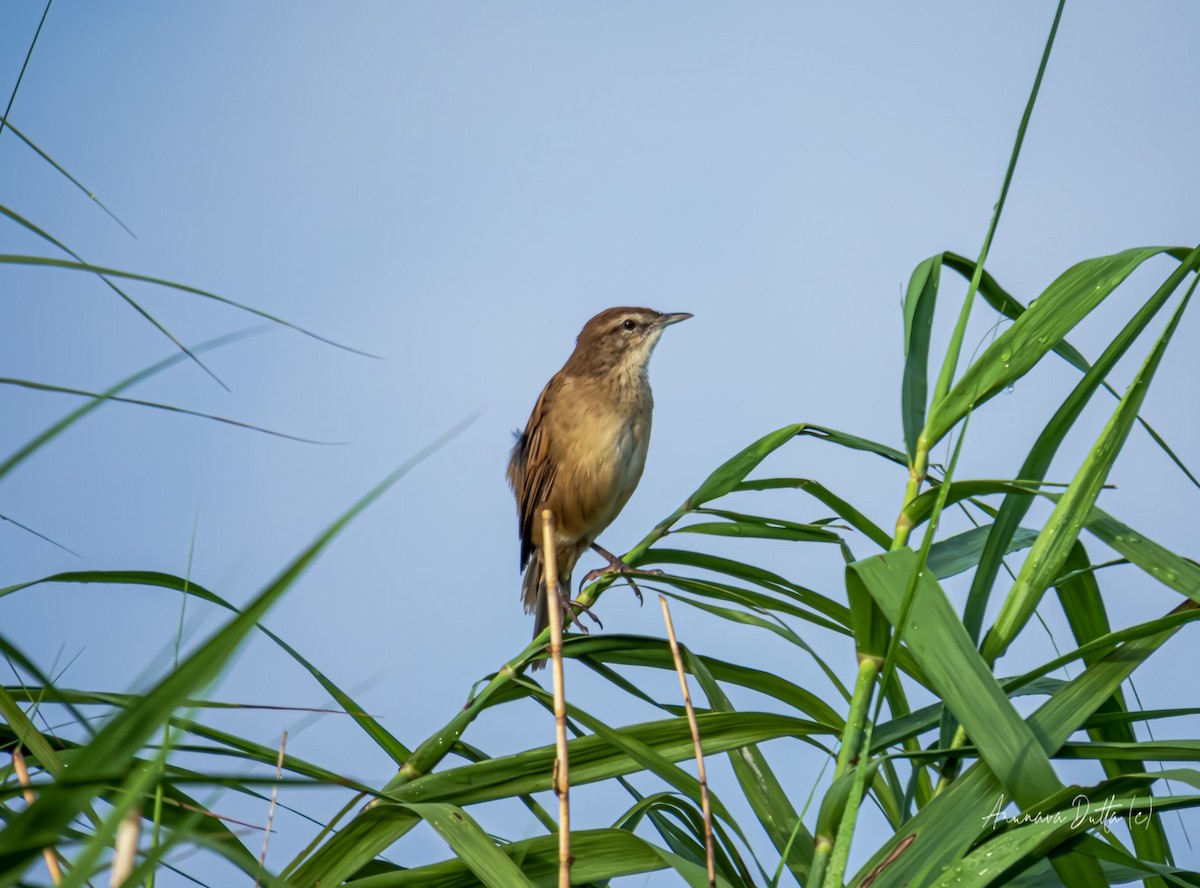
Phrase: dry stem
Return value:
(48, 854)
(126, 851)
(262, 858)
(562, 782)
(691, 715)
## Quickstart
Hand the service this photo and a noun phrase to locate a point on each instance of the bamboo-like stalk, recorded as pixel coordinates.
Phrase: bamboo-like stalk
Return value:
(856, 721)
(562, 780)
(262, 857)
(18, 759)
(839, 855)
(854, 740)
(705, 808)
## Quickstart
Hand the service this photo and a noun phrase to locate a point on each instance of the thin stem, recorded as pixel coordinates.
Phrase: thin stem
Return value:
(848, 755)
(562, 780)
(952, 355)
(841, 849)
(21, 76)
(262, 858)
(855, 739)
(709, 852)
(18, 760)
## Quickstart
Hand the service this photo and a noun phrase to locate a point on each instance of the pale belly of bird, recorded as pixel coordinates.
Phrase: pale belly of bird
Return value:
(607, 459)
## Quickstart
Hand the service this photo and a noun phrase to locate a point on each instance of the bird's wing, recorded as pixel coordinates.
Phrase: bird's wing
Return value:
(531, 470)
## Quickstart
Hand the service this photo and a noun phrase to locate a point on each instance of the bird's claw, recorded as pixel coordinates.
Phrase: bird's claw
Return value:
(620, 568)
(573, 609)
(638, 592)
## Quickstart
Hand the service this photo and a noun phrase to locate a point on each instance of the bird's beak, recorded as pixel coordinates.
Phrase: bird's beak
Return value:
(669, 319)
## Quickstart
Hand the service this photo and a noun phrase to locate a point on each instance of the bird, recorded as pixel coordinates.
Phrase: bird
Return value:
(583, 449)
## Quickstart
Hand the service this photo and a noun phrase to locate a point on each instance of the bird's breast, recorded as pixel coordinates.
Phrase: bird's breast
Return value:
(602, 449)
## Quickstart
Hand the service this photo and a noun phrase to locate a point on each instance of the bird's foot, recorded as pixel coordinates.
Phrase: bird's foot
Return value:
(572, 609)
(617, 566)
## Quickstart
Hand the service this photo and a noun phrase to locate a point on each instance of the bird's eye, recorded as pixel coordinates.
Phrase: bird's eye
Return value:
(630, 325)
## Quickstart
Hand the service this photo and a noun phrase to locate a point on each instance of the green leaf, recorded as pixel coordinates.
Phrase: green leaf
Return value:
(1037, 463)
(919, 304)
(952, 556)
(472, 846)
(46, 262)
(749, 598)
(1006, 304)
(592, 758)
(1055, 313)
(356, 844)
(1049, 552)
(1001, 300)
(759, 784)
(681, 824)
(600, 855)
(1039, 832)
(761, 531)
(642, 753)
(731, 473)
(28, 735)
(635, 650)
(734, 470)
(1173, 571)
(7, 124)
(835, 611)
(595, 758)
(386, 741)
(959, 676)
(29, 226)
(1134, 751)
(58, 389)
(844, 510)
(1084, 607)
(942, 831)
(918, 509)
(27, 450)
(113, 747)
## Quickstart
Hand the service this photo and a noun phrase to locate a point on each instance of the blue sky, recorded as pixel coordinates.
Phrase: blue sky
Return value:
(457, 188)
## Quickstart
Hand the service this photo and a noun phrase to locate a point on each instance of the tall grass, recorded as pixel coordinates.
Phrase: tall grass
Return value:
(971, 790)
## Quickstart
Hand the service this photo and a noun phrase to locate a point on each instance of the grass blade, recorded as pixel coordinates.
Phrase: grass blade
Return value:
(46, 387)
(1037, 463)
(472, 845)
(1067, 301)
(113, 747)
(25, 223)
(1049, 552)
(47, 262)
(919, 303)
(5, 123)
(154, 579)
(79, 413)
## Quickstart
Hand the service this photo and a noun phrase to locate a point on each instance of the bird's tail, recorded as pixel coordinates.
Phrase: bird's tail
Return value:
(533, 593)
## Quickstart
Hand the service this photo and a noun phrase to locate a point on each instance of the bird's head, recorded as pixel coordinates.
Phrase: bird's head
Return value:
(620, 339)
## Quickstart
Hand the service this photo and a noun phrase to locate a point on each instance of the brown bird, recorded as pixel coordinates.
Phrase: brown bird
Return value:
(583, 450)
